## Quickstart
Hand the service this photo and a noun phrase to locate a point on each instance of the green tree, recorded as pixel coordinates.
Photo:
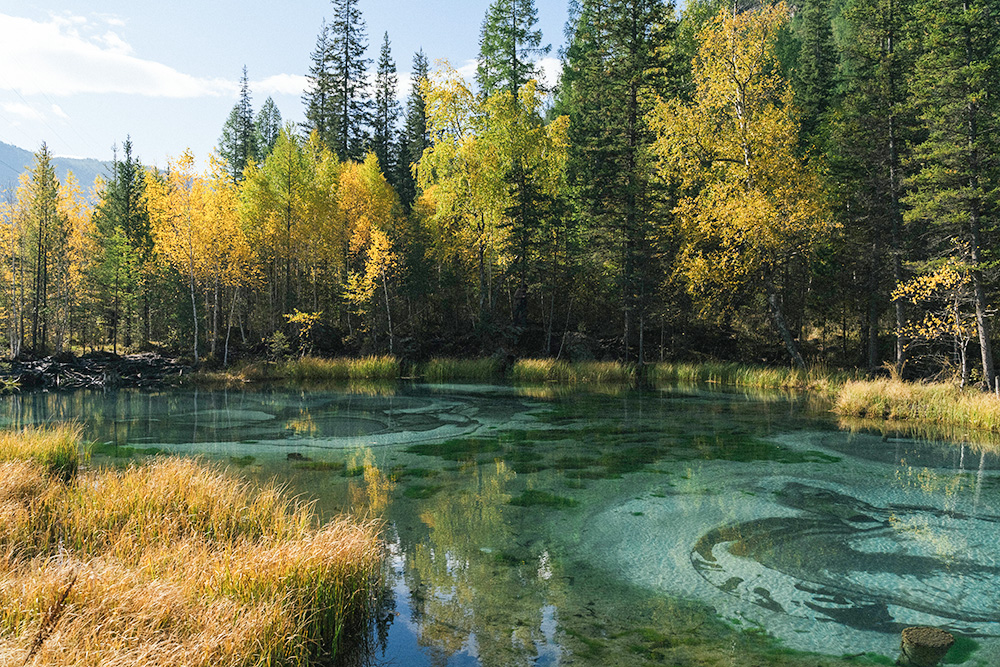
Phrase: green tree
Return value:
(509, 43)
(814, 80)
(956, 169)
(386, 114)
(239, 144)
(349, 78)
(868, 142)
(617, 63)
(320, 96)
(415, 138)
(122, 212)
(268, 125)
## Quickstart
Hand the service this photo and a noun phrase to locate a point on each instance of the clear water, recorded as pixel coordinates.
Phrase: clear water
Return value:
(543, 527)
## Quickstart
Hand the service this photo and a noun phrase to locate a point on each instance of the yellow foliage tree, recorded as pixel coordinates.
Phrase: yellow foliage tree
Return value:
(372, 214)
(750, 204)
(944, 294)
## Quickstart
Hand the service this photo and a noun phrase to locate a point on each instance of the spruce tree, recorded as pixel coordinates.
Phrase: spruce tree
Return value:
(956, 89)
(415, 137)
(238, 144)
(814, 80)
(268, 124)
(126, 238)
(348, 71)
(386, 114)
(509, 43)
(613, 71)
(319, 98)
(866, 151)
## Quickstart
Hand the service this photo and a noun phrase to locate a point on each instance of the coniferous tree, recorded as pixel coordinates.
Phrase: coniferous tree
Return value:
(415, 137)
(125, 236)
(508, 44)
(320, 97)
(238, 144)
(956, 90)
(45, 241)
(268, 124)
(615, 67)
(348, 71)
(386, 114)
(866, 155)
(814, 80)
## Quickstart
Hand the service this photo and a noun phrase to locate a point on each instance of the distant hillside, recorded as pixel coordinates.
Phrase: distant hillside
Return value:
(14, 161)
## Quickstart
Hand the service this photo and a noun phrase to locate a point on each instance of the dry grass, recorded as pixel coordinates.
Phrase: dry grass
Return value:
(936, 403)
(176, 563)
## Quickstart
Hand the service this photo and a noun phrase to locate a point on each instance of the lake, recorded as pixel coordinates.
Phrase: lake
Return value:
(547, 526)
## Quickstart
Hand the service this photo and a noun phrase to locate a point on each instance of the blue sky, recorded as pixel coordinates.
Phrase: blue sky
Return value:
(167, 73)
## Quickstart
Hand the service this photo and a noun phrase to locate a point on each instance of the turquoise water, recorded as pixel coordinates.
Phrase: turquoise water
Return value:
(547, 527)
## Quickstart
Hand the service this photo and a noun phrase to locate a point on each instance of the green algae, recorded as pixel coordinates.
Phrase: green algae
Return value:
(535, 498)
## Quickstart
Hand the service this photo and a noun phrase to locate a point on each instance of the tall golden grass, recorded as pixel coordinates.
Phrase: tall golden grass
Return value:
(937, 403)
(307, 369)
(815, 378)
(537, 371)
(172, 563)
(442, 369)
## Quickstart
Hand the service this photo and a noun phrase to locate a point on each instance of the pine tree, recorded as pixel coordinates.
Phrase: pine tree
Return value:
(320, 97)
(268, 125)
(415, 137)
(508, 44)
(348, 71)
(386, 114)
(956, 89)
(238, 144)
(614, 69)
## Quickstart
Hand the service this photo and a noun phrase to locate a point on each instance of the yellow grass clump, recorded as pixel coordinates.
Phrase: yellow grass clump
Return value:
(533, 371)
(307, 369)
(442, 369)
(936, 403)
(815, 378)
(174, 563)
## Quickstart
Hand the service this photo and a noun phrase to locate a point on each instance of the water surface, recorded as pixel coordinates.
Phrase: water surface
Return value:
(546, 527)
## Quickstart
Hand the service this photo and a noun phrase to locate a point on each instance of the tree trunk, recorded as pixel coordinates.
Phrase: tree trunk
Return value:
(778, 320)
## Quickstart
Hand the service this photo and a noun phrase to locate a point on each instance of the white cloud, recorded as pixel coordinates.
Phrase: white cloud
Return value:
(280, 84)
(551, 69)
(55, 58)
(22, 110)
(57, 110)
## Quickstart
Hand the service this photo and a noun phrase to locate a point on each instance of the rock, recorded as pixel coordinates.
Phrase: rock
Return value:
(924, 646)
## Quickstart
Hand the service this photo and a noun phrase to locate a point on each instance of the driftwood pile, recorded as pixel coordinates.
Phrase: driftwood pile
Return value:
(97, 371)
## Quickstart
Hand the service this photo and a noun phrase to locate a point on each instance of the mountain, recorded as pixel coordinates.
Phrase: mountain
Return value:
(14, 161)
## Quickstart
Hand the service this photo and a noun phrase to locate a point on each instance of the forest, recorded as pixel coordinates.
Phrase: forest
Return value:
(809, 183)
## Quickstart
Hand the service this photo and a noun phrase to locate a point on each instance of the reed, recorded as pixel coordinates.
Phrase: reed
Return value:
(442, 369)
(937, 403)
(175, 563)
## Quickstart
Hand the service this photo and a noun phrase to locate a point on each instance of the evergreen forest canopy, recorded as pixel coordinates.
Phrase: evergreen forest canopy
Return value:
(815, 182)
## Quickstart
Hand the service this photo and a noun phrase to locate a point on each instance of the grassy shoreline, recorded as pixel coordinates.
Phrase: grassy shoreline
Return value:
(889, 400)
(169, 562)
